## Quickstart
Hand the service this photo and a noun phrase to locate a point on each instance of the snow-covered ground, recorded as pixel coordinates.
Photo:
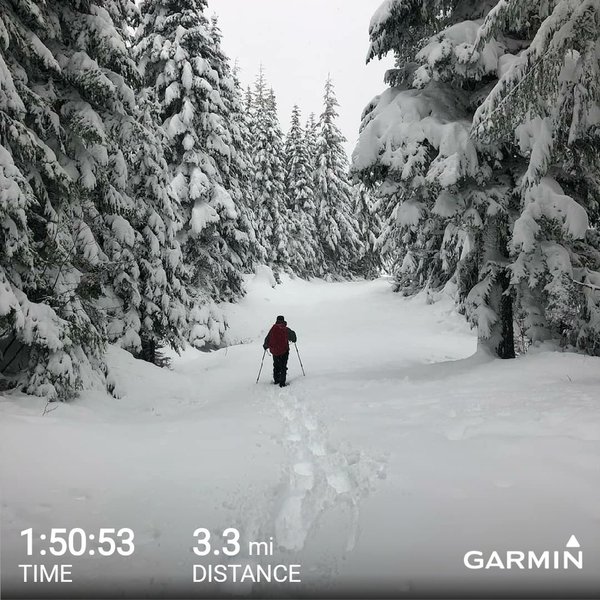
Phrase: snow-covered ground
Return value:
(398, 453)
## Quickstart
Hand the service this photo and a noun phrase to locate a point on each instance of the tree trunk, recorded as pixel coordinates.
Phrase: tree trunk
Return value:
(506, 346)
(148, 352)
(501, 342)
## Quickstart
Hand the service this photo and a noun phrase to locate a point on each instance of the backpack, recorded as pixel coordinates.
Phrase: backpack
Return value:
(278, 340)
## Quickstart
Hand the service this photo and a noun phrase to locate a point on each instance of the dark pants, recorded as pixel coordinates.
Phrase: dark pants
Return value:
(280, 368)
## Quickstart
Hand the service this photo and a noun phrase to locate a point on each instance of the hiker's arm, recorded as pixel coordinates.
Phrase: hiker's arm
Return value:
(292, 336)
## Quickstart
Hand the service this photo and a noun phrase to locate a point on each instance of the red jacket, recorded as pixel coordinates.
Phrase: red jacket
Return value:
(278, 338)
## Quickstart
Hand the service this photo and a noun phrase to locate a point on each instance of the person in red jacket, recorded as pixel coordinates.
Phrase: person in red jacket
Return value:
(278, 343)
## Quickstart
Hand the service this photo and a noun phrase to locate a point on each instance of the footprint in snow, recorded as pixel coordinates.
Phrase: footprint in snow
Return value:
(289, 528)
(317, 448)
(310, 423)
(305, 478)
(304, 468)
(319, 476)
(293, 434)
(339, 482)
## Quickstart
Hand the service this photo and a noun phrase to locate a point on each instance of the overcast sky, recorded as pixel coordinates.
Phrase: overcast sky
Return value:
(299, 42)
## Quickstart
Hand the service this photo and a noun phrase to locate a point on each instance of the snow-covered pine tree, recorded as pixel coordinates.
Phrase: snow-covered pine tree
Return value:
(305, 251)
(445, 199)
(242, 170)
(37, 345)
(546, 107)
(164, 303)
(73, 70)
(401, 26)
(239, 235)
(336, 224)
(310, 136)
(268, 171)
(248, 128)
(184, 67)
(177, 55)
(368, 264)
(98, 110)
(248, 107)
(310, 142)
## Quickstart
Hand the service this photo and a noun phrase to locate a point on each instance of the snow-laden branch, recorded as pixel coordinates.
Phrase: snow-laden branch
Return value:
(588, 285)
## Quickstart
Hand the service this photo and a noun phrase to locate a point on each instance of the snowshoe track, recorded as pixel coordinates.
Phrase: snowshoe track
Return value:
(319, 476)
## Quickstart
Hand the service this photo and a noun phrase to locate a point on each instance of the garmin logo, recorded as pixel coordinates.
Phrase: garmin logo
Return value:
(554, 560)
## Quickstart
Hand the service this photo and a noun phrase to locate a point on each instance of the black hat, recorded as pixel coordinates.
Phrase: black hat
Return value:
(280, 319)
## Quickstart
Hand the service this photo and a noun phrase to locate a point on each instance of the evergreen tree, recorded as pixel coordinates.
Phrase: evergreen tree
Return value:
(249, 108)
(268, 172)
(132, 217)
(69, 66)
(164, 301)
(338, 231)
(242, 170)
(368, 263)
(248, 128)
(546, 108)
(305, 252)
(446, 210)
(239, 235)
(484, 208)
(186, 71)
(181, 63)
(98, 115)
(34, 340)
(310, 140)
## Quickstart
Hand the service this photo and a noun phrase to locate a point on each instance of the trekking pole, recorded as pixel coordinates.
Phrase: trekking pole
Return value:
(261, 365)
(301, 365)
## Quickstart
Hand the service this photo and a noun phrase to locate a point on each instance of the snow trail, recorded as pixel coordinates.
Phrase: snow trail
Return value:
(362, 471)
(319, 475)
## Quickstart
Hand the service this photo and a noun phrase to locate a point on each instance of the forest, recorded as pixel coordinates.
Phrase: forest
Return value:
(140, 181)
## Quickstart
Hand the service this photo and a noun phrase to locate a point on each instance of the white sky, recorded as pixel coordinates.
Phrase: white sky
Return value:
(299, 42)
